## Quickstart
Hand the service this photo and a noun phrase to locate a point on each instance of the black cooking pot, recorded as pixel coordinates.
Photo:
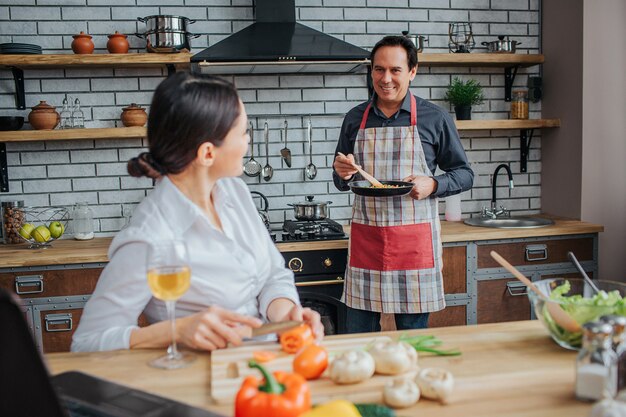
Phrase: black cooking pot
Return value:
(310, 210)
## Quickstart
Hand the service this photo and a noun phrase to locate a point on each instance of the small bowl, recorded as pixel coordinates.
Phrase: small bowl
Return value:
(580, 312)
(11, 123)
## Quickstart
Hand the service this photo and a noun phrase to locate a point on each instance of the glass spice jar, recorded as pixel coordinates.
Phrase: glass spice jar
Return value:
(519, 104)
(12, 220)
(596, 363)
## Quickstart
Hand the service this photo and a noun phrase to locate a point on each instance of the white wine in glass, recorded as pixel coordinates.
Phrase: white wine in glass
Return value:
(169, 277)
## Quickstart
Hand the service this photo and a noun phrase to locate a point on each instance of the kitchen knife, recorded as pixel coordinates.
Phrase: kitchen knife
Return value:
(275, 327)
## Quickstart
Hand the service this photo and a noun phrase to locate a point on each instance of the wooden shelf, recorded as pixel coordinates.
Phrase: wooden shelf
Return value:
(479, 60)
(74, 134)
(95, 60)
(506, 124)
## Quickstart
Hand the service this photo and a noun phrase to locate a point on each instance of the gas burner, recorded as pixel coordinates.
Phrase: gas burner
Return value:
(312, 230)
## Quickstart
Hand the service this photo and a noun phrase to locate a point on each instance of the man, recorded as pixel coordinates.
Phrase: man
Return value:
(394, 263)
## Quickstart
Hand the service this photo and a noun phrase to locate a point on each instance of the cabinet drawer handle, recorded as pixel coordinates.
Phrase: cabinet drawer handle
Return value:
(536, 253)
(338, 280)
(61, 319)
(516, 288)
(29, 284)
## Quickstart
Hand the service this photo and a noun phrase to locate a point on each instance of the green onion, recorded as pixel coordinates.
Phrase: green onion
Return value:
(427, 344)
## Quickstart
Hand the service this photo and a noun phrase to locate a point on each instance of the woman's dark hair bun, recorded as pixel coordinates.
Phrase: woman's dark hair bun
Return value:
(144, 165)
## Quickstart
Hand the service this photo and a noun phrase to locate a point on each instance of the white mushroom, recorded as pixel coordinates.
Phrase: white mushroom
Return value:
(393, 358)
(435, 383)
(401, 393)
(351, 367)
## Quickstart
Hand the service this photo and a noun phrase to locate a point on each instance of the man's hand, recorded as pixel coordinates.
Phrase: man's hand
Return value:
(423, 186)
(344, 166)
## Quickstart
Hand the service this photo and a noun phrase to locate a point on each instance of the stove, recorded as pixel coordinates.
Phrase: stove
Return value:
(312, 230)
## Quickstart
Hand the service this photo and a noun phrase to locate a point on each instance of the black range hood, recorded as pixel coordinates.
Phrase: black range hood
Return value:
(276, 43)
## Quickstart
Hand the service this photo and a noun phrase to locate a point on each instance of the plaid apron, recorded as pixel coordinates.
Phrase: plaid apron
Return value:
(394, 257)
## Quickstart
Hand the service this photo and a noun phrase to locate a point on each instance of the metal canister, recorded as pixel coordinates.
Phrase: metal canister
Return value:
(12, 220)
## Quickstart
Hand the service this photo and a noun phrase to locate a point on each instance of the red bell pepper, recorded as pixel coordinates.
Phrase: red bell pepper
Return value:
(280, 394)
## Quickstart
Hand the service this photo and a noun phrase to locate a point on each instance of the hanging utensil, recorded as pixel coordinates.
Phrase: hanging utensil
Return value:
(252, 168)
(364, 174)
(572, 258)
(560, 316)
(285, 152)
(310, 170)
(267, 171)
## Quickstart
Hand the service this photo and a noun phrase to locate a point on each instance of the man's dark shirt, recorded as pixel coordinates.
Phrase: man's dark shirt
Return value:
(438, 134)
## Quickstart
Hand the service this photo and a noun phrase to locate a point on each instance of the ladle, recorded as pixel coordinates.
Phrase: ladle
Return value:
(252, 168)
(285, 152)
(310, 170)
(557, 313)
(365, 175)
(572, 258)
(267, 171)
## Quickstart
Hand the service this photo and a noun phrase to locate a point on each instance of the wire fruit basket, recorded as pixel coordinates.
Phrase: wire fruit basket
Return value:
(42, 226)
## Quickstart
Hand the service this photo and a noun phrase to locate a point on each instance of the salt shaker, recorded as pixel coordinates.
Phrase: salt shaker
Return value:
(78, 117)
(66, 116)
(619, 345)
(82, 221)
(596, 363)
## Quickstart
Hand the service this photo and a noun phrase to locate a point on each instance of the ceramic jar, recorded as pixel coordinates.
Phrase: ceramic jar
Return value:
(82, 43)
(134, 115)
(43, 117)
(117, 44)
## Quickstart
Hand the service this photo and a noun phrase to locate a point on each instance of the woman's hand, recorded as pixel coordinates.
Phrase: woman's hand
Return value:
(214, 328)
(310, 317)
(344, 166)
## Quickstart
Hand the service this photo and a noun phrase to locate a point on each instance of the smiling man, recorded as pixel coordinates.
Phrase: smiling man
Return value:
(395, 260)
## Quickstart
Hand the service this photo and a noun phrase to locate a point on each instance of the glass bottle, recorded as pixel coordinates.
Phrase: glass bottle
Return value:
(519, 104)
(596, 363)
(78, 117)
(66, 116)
(82, 221)
(12, 221)
(619, 345)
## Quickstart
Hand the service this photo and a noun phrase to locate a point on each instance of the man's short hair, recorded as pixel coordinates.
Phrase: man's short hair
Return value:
(396, 40)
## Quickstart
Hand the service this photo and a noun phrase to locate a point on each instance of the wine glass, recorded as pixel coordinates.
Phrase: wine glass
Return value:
(169, 276)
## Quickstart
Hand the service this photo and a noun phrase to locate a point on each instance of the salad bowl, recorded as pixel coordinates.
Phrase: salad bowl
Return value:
(580, 301)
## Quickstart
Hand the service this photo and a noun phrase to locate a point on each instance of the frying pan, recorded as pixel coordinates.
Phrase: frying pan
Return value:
(364, 188)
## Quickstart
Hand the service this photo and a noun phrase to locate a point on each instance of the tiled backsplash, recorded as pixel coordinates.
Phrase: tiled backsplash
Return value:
(62, 173)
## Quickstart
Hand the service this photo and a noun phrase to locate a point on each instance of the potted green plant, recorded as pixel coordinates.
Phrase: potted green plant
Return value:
(462, 95)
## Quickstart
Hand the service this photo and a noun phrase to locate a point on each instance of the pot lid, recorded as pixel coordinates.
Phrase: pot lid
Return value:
(309, 202)
(43, 106)
(133, 106)
(117, 35)
(82, 35)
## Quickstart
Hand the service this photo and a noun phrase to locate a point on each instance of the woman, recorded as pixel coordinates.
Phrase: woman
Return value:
(197, 132)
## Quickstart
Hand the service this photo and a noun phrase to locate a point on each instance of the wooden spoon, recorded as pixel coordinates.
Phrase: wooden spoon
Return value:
(559, 315)
(365, 175)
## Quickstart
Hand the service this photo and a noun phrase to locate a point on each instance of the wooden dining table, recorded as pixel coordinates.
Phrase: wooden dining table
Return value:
(505, 369)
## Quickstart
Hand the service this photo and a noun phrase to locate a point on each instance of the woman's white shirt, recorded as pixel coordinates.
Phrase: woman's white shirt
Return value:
(239, 269)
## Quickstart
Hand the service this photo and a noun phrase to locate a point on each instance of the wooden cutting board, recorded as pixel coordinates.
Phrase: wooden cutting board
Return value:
(230, 366)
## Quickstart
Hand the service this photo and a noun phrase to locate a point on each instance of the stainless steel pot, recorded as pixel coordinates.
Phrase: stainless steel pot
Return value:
(418, 40)
(167, 41)
(310, 210)
(502, 46)
(165, 22)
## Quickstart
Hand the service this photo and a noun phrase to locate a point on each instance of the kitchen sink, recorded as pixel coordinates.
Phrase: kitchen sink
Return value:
(509, 222)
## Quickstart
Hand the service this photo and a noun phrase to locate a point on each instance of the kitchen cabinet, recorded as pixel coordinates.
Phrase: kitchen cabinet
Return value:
(52, 301)
(501, 297)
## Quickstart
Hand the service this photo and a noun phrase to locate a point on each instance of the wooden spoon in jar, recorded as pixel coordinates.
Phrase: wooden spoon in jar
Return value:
(560, 316)
(364, 174)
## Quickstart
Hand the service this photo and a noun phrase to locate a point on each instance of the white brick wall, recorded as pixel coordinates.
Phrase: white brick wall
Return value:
(62, 173)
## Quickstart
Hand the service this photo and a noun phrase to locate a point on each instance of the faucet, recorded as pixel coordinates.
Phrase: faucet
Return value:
(494, 212)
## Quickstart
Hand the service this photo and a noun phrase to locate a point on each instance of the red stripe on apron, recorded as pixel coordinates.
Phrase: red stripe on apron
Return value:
(392, 248)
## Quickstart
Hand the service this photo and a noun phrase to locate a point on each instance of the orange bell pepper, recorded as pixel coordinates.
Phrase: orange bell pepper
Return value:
(280, 394)
(311, 362)
(295, 339)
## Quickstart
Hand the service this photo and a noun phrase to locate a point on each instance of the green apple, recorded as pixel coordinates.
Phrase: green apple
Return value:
(56, 229)
(41, 234)
(26, 230)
